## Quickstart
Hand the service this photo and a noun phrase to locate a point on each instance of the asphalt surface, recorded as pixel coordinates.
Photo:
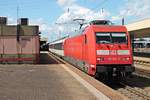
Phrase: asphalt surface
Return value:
(46, 81)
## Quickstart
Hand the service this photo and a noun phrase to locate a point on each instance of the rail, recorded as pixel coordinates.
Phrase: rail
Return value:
(138, 92)
(142, 60)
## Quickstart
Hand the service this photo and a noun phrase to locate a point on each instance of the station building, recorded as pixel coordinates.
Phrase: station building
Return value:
(19, 43)
(140, 33)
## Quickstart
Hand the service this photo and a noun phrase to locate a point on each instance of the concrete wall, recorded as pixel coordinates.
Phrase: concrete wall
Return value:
(24, 50)
(29, 30)
(27, 45)
(11, 50)
(11, 30)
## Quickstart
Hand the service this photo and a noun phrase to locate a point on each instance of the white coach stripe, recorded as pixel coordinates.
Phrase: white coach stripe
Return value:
(92, 89)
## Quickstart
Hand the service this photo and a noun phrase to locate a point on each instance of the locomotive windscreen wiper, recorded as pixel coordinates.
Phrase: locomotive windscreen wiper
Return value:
(104, 42)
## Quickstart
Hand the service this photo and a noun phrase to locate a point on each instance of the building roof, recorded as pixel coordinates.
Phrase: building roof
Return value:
(143, 24)
(140, 29)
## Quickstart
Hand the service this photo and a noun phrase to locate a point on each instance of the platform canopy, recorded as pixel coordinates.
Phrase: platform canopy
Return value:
(140, 29)
(44, 39)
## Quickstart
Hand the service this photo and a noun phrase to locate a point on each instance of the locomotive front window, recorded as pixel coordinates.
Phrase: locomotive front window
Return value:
(119, 37)
(106, 37)
(103, 38)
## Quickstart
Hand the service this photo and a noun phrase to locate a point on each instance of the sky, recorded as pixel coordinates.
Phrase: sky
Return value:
(55, 17)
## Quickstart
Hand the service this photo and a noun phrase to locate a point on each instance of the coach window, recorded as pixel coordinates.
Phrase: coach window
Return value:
(148, 45)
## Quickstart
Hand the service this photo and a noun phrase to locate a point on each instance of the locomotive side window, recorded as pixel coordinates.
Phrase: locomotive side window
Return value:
(115, 37)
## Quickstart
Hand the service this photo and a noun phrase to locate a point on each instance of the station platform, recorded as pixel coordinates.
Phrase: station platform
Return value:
(46, 81)
(29, 82)
(143, 63)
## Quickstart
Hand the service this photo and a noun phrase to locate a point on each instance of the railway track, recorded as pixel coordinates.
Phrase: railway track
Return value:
(134, 93)
(134, 88)
(137, 88)
(142, 73)
(142, 67)
(142, 62)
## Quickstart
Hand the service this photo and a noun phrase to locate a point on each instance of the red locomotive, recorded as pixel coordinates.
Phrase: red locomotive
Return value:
(102, 50)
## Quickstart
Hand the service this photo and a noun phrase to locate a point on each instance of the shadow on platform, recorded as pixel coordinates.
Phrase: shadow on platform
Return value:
(46, 59)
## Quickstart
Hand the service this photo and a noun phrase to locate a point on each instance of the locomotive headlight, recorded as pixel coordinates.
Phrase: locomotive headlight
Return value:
(100, 59)
(92, 66)
(125, 58)
(102, 52)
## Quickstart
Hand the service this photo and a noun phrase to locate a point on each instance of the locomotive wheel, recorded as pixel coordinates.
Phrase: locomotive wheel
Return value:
(101, 76)
(121, 76)
(129, 75)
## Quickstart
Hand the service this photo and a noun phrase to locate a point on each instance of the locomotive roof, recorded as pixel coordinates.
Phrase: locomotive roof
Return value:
(59, 40)
(101, 22)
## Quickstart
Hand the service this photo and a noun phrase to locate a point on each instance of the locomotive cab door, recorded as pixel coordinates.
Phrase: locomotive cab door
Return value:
(84, 50)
